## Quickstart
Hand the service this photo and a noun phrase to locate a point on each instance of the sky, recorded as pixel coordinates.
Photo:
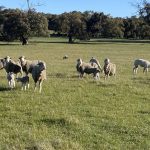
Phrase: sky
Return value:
(115, 8)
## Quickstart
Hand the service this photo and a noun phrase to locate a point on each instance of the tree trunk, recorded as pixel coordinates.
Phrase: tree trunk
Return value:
(70, 39)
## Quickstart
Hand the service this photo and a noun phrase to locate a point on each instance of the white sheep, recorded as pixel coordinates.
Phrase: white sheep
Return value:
(11, 80)
(109, 68)
(27, 65)
(24, 82)
(95, 63)
(143, 63)
(87, 68)
(11, 66)
(39, 74)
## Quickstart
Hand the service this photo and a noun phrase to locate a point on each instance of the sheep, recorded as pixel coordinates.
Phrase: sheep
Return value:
(143, 63)
(10, 66)
(39, 74)
(11, 80)
(65, 57)
(109, 68)
(24, 82)
(27, 65)
(83, 67)
(95, 63)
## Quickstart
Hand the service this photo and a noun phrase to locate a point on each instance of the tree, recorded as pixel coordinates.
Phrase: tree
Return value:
(96, 24)
(38, 24)
(144, 10)
(72, 24)
(16, 25)
(114, 28)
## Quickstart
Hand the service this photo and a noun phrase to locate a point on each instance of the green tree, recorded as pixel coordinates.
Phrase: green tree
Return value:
(96, 24)
(38, 23)
(72, 24)
(114, 28)
(15, 25)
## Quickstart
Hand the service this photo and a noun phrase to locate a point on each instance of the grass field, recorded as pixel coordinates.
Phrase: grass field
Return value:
(74, 114)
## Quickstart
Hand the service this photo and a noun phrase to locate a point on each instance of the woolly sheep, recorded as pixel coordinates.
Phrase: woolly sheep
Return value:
(10, 66)
(24, 82)
(11, 80)
(95, 63)
(83, 67)
(27, 65)
(109, 68)
(39, 74)
(143, 63)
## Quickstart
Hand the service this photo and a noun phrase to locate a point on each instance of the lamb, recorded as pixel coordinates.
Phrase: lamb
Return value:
(11, 80)
(143, 63)
(87, 68)
(39, 74)
(95, 63)
(109, 68)
(28, 65)
(24, 81)
(10, 66)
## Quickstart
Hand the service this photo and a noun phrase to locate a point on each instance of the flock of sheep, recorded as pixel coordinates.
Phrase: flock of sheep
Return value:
(94, 67)
(36, 68)
(109, 69)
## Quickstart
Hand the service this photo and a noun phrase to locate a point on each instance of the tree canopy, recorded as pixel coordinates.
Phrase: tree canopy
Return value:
(15, 23)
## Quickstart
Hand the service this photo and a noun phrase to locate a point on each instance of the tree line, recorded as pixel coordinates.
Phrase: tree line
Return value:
(15, 24)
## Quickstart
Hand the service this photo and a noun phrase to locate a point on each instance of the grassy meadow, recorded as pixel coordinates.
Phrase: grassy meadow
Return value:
(75, 114)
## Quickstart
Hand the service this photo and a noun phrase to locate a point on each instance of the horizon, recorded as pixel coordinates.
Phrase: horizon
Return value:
(58, 7)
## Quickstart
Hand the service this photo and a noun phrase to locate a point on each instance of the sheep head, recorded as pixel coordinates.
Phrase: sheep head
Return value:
(42, 66)
(7, 59)
(106, 61)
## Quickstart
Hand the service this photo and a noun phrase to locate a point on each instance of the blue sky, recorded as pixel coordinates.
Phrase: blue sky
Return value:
(116, 8)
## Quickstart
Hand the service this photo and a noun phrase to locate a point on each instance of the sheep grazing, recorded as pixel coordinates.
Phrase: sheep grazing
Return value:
(24, 82)
(10, 66)
(39, 74)
(11, 80)
(65, 57)
(143, 63)
(109, 68)
(95, 63)
(87, 68)
(27, 65)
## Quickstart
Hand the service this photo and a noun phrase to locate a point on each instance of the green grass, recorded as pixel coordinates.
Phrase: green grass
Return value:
(74, 114)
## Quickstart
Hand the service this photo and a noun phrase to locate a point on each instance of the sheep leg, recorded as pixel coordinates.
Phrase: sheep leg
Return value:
(9, 84)
(145, 70)
(135, 70)
(40, 85)
(28, 85)
(35, 86)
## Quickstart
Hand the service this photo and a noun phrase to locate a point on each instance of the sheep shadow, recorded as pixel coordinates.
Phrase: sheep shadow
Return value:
(141, 80)
(144, 112)
(106, 85)
(2, 89)
(55, 122)
(57, 75)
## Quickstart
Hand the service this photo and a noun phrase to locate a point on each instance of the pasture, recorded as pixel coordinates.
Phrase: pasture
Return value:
(75, 114)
